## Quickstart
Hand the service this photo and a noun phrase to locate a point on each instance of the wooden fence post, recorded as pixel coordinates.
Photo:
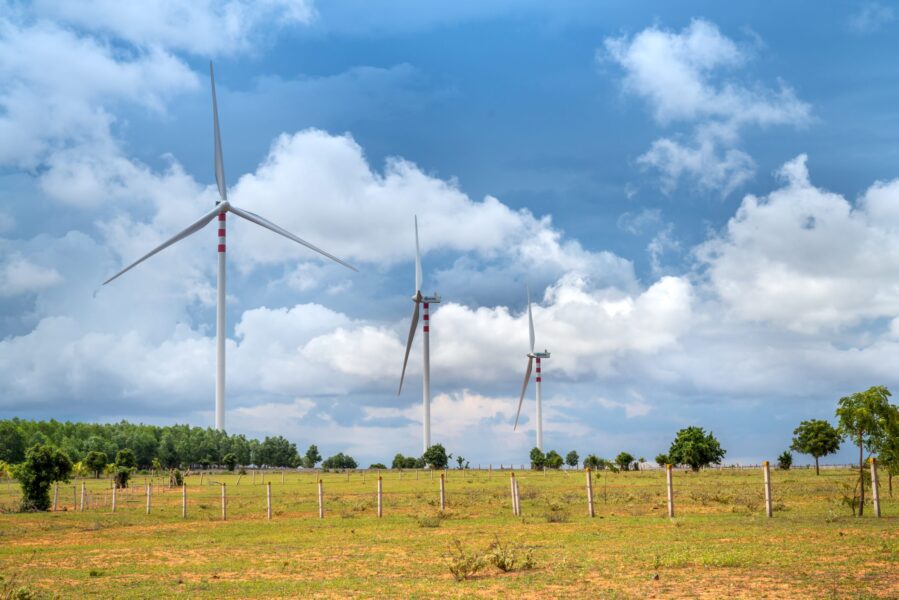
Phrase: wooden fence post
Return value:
(875, 493)
(517, 497)
(113, 496)
(56, 497)
(512, 487)
(148, 498)
(82, 497)
(321, 500)
(379, 498)
(670, 492)
(590, 511)
(183, 500)
(442, 492)
(766, 469)
(268, 499)
(224, 504)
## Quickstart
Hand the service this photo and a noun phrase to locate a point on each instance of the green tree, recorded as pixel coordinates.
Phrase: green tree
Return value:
(339, 461)
(399, 462)
(278, 452)
(377, 466)
(12, 443)
(312, 457)
(43, 465)
(125, 458)
(95, 461)
(624, 460)
(592, 462)
(816, 438)
(691, 446)
(889, 450)
(230, 461)
(538, 459)
(662, 460)
(553, 460)
(864, 418)
(785, 460)
(572, 459)
(435, 457)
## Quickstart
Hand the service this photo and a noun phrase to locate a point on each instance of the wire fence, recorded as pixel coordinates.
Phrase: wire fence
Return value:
(470, 493)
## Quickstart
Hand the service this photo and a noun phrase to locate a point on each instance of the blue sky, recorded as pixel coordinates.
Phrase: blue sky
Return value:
(702, 196)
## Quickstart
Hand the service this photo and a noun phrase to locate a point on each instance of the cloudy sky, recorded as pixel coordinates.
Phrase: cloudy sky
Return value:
(703, 198)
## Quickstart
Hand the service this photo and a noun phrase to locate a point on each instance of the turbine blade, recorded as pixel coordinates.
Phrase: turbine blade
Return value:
(412, 330)
(195, 227)
(524, 387)
(530, 321)
(219, 162)
(254, 218)
(417, 259)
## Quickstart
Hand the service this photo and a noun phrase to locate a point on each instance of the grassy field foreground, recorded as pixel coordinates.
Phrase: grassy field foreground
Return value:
(720, 544)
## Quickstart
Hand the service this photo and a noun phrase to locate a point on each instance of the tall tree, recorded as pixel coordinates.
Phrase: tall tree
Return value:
(864, 418)
(624, 460)
(42, 466)
(816, 438)
(12, 443)
(436, 457)
(95, 461)
(312, 457)
(571, 459)
(693, 447)
(538, 459)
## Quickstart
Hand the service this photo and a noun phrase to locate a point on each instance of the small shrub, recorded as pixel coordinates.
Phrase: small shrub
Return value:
(507, 557)
(429, 521)
(461, 564)
(555, 513)
(95, 573)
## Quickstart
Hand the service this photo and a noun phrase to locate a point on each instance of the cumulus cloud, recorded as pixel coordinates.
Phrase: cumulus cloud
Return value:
(18, 275)
(808, 259)
(684, 78)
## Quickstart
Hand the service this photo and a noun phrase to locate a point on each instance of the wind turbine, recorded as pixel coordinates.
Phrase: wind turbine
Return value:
(527, 377)
(222, 207)
(424, 302)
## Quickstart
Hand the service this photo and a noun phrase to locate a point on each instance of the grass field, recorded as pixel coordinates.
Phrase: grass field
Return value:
(719, 545)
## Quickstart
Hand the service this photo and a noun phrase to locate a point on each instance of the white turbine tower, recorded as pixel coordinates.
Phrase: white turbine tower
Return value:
(222, 206)
(424, 302)
(527, 377)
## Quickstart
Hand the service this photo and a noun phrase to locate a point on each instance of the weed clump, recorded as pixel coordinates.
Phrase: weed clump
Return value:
(507, 557)
(429, 521)
(461, 564)
(555, 513)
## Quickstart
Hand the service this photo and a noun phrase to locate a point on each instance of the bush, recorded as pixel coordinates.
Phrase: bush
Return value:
(377, 466)
(43, 466)
(785, 460)
(463, 565)
(593, 462)
(506, 557)
(429, 521)
(176, 479)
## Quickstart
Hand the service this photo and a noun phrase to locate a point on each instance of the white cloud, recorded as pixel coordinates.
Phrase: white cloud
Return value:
(201, 27)
(807, 259)
(20, 276)
(636, 407)
(871, 17)
(58, 87)
(683, 78)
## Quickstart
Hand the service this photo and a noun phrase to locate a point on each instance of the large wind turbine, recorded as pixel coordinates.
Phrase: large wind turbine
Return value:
(424, 302)
(527, 377)
(222, 206)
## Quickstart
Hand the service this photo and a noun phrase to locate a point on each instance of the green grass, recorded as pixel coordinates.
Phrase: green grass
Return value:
(720, 544)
